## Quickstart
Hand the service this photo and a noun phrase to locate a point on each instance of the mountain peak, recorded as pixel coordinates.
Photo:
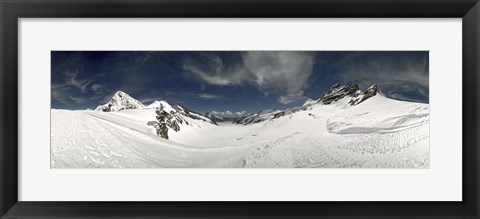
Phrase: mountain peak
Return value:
(337, 85)
(338, 91)
(120, 101)
(120, 94)
(371, 91)
(374, 88)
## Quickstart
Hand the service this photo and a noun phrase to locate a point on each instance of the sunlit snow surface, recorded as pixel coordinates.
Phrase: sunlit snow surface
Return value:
(378, 133)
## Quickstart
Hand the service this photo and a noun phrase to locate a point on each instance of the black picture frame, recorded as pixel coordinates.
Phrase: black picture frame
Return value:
(12, 10)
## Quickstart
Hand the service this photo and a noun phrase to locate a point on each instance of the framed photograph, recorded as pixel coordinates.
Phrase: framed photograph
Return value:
(255, 109)
(195, 109)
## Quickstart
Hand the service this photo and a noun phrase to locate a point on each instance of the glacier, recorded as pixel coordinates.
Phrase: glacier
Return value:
(349, 131)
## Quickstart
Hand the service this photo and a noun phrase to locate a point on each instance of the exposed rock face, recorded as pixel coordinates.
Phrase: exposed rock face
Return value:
(178, 109)
(166, 120)
(172, 116)
(120, 101)
(278, 115)
(337, 92)
(371, 91)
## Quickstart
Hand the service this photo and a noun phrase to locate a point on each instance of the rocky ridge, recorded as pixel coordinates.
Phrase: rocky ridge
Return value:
(335, 93)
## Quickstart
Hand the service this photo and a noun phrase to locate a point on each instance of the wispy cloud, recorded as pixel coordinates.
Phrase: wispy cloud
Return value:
(399, 96)
(97, 87)
(209, 68)
(394, 74)
(284, 74)
(74, 90)
(210, 96)
(183, 96)
(79, 100)
(61, 93)
(78, 83)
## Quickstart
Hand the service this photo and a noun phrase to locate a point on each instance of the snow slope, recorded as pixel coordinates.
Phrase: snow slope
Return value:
(379, 133)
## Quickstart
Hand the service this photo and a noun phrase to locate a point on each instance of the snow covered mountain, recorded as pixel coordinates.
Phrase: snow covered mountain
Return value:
(175, 109)
(172, 117)
(345, 128)
(226, 116)
(123, 101)
(120, 101)
(168, 117)
(336, 92)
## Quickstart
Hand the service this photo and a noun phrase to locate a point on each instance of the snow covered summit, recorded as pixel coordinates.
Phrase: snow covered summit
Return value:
(120, 101)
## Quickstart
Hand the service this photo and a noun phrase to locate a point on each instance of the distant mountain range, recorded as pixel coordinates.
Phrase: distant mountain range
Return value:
(123, 101)
(227, 116)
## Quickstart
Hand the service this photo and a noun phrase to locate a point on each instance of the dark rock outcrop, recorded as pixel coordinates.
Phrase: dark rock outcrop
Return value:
(166, 120)
(337, 92)
(278, 115)
(371, 91)
(171, 117)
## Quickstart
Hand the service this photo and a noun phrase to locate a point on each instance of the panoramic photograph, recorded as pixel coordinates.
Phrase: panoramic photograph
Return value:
(240, 109)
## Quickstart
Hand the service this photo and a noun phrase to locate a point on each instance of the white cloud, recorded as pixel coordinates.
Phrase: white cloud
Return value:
(210, 96)
(61, 93)
(73, 90)
(73, 81)
(395, 76)
(281, 73)
(79, 100)
(96, 87)
(181, 96)
(211, 70)
(290, 98)
(399, 96)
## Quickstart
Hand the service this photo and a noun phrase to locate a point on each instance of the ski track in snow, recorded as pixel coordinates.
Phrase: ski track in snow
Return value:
(324, 136)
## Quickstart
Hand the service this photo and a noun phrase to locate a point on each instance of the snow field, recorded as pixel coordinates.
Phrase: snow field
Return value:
(378, 133)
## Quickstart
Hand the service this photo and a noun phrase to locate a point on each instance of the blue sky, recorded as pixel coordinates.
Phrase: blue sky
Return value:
(232, 80)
